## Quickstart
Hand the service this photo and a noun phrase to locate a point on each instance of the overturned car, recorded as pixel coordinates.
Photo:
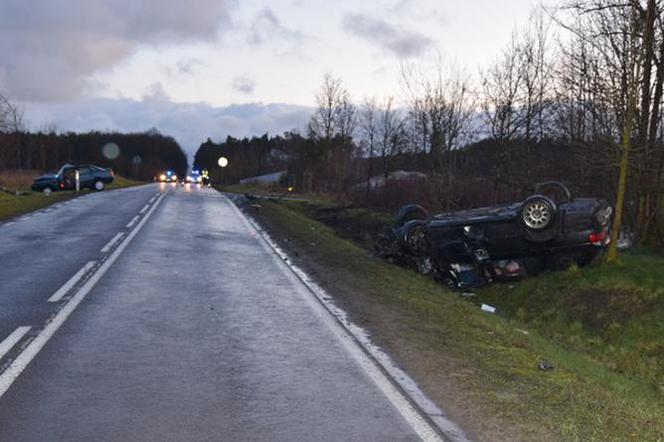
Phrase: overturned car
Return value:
(549, 230)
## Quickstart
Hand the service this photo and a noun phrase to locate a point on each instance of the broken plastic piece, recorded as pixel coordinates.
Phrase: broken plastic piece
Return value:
(544, 365)
(488, 308)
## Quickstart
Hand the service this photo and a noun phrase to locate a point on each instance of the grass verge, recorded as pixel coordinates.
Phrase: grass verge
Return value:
(482, 368)
(28, 201)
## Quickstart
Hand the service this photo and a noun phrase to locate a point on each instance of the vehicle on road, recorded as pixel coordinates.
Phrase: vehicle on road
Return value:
(89, 176)
(168, 177)
(194, 177)
(549, 230)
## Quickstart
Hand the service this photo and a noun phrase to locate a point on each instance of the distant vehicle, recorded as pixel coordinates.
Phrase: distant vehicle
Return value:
(205, 176)
(473, 247)
(90, 176)
(194, 177)
(168, 177)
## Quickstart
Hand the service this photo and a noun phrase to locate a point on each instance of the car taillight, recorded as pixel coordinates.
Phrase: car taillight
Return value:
(112, 173)
(598, 238)
(62, 185)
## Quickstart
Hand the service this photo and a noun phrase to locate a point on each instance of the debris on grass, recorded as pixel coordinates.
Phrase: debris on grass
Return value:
(487, 308)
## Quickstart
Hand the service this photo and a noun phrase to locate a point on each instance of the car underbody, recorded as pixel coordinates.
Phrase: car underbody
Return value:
(549, 230)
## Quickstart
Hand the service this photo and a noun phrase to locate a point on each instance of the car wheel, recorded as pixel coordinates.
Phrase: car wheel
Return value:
(537, 213)
(99, 185)
(47, 191)
(416, 238)
(411, 212)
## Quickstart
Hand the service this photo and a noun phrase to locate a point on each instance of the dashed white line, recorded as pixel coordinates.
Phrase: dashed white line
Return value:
(11, 340)
(131, 223)
(152, 199)
(19, 364)
(57, 296)
(146, 207)
(112, 242)
(9, 223)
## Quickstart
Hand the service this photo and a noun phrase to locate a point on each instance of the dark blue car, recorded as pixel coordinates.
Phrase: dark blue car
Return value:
(547, 231)
(89, 176)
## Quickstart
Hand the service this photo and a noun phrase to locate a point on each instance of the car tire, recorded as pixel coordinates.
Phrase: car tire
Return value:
(537, 213)
(47, 191)
(411, 212)
(99, 185)
(416, 238)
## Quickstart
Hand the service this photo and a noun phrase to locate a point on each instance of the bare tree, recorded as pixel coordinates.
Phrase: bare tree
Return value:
(440, 108)
(335, 114)
(368, 130)
(12, 122)
(392, 136)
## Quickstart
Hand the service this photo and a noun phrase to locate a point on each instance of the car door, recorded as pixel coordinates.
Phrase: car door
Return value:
(85, 176)
(68, 179)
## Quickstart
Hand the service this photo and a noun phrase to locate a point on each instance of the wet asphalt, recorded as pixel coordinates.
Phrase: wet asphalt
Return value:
(196, 332)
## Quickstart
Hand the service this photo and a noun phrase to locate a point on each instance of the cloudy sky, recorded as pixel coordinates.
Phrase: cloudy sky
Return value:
(210, 68)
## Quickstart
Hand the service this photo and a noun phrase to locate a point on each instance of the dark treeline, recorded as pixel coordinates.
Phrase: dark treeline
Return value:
(48, 151)
(480, 173)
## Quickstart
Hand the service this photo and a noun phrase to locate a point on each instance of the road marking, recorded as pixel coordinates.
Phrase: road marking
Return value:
(423, 416)
(131, 223)
(112, 242)
(9, 223)
(144, 209)
(19, 364)
(152, 199)
(11, 340)
(57, 296)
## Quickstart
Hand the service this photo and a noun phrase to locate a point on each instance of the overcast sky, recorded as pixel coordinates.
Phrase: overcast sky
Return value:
(210, 68)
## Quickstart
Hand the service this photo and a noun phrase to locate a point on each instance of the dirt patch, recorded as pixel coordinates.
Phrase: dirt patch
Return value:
(600, 308)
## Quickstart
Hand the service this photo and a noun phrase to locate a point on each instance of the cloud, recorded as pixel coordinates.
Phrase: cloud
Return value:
(189, 123)
(188, 66)
(414, 10)
(266, 26)
(392, 39)
(48, 49)
(244, 85)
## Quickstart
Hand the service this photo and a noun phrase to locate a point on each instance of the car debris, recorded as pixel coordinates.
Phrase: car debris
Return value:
(544, 365)
(488, 308)
(549, 230)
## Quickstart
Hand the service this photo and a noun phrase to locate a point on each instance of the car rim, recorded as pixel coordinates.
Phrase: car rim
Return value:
(417, 240)
(99, 185)
(536, 215)
(47, 191)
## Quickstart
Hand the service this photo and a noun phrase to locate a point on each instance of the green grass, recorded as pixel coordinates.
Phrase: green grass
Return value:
(274, 190)
(612, 313)
(28, 201)
(583, 398)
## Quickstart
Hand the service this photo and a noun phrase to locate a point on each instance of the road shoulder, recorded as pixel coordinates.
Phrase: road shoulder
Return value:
(481, 368)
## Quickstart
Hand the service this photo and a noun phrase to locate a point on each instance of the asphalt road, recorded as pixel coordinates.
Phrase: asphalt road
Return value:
(156, 313)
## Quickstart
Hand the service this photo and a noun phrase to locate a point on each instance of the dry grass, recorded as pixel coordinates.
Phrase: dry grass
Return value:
(14, 179)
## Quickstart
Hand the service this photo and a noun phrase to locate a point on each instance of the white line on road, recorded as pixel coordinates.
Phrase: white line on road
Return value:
(8, 224)
(131, 223)
(152, 199)
(19, 364)
(112, 242)
(11, 340)
(356, 345)
(57, 296)
(144, 209)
